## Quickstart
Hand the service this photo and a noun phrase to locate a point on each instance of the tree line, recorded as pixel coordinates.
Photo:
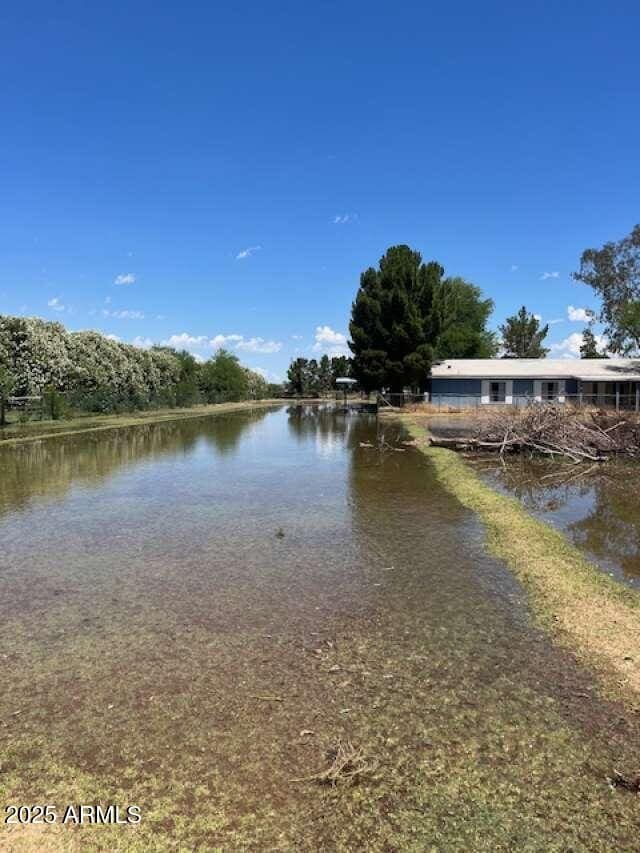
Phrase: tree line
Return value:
(88, 371)
(308, 377)
(407, 315)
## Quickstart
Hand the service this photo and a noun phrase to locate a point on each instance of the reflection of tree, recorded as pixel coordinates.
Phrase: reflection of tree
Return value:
(599, 505)
(49, 468)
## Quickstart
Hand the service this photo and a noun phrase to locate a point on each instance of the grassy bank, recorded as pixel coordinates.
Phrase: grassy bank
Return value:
(583, 608)
(17, 434)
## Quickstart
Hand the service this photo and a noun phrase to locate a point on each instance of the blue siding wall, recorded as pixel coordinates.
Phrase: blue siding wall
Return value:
(456, 392)
(522, 387)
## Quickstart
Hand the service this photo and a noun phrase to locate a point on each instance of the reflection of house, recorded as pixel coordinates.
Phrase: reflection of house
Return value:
(483, 381)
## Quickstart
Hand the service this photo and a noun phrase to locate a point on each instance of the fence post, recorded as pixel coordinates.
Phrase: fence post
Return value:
(617, 397)
(637, 396)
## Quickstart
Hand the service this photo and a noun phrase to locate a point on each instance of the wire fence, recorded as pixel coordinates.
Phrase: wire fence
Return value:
(451, 402)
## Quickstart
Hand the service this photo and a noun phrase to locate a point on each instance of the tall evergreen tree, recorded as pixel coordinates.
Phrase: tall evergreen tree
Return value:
(298, 376)
(325, 379)
(589, 345)
(522, 336)
(405, 314)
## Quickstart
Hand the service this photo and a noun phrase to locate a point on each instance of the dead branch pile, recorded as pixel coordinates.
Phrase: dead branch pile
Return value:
(554, 430)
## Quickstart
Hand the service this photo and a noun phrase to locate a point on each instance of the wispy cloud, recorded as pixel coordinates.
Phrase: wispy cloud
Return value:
(125, 314)
(296, 337)
(578, 315)
(344, 218)
(125, 278)
(537, 317)
(246, 253)
(546, 275)
(330, 342)
(514, 267)
(556, 321)
(55, 304)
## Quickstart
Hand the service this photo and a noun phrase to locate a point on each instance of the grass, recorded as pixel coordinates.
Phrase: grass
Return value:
(35, 430)
(583, 608)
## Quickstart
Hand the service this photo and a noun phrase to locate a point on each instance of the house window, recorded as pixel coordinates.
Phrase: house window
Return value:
(497, 392)
(550, 391)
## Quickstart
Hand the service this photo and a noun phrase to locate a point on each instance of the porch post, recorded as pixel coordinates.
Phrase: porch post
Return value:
(617, 396)
(637, 396)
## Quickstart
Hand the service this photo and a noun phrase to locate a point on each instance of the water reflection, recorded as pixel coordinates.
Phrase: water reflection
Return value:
(598, 508)
(49, 468)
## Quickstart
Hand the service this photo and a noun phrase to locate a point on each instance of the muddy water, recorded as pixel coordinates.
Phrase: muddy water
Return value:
(191, 614)
(597, 507)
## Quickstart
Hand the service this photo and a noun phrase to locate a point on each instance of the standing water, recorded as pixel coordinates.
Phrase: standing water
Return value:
(193, 615)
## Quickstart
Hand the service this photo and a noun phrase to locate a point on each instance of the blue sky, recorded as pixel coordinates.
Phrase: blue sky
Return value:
(235, 166)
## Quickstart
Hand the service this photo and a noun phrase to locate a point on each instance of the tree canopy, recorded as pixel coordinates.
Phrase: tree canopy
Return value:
(613, 271)
(522, 336)
(406, 314)
(309, 378)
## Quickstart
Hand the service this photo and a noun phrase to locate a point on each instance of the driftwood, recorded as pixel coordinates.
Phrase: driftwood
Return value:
(553, 430)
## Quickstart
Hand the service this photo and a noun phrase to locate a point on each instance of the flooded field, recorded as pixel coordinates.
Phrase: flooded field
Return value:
(193, 615)
(597, 507)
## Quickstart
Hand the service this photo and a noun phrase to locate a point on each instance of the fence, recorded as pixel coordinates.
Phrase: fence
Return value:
(451, 402)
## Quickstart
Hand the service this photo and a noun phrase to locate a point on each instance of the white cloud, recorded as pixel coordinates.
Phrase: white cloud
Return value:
(186, 341)
(578, 315)
(113, 338)
(259, 345)
(125, 278)
(141, 342)
(124, 314)
(344, 218)
(514, 267)
(537, 317)
(296, 337)
(55, 304)
(546, 275)
(556, 321)
(246, 253)
(231, 342)
(220, 341)
(570, 346)
(330, 342)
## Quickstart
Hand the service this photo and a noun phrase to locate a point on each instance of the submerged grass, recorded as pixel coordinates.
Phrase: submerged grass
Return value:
(197, 684)
(584, 608)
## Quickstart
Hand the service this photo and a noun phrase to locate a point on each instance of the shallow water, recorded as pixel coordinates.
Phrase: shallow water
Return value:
(597, 507)
(192, 613)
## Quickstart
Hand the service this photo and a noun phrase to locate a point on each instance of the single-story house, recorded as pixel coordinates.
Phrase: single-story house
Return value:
(517, 381)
